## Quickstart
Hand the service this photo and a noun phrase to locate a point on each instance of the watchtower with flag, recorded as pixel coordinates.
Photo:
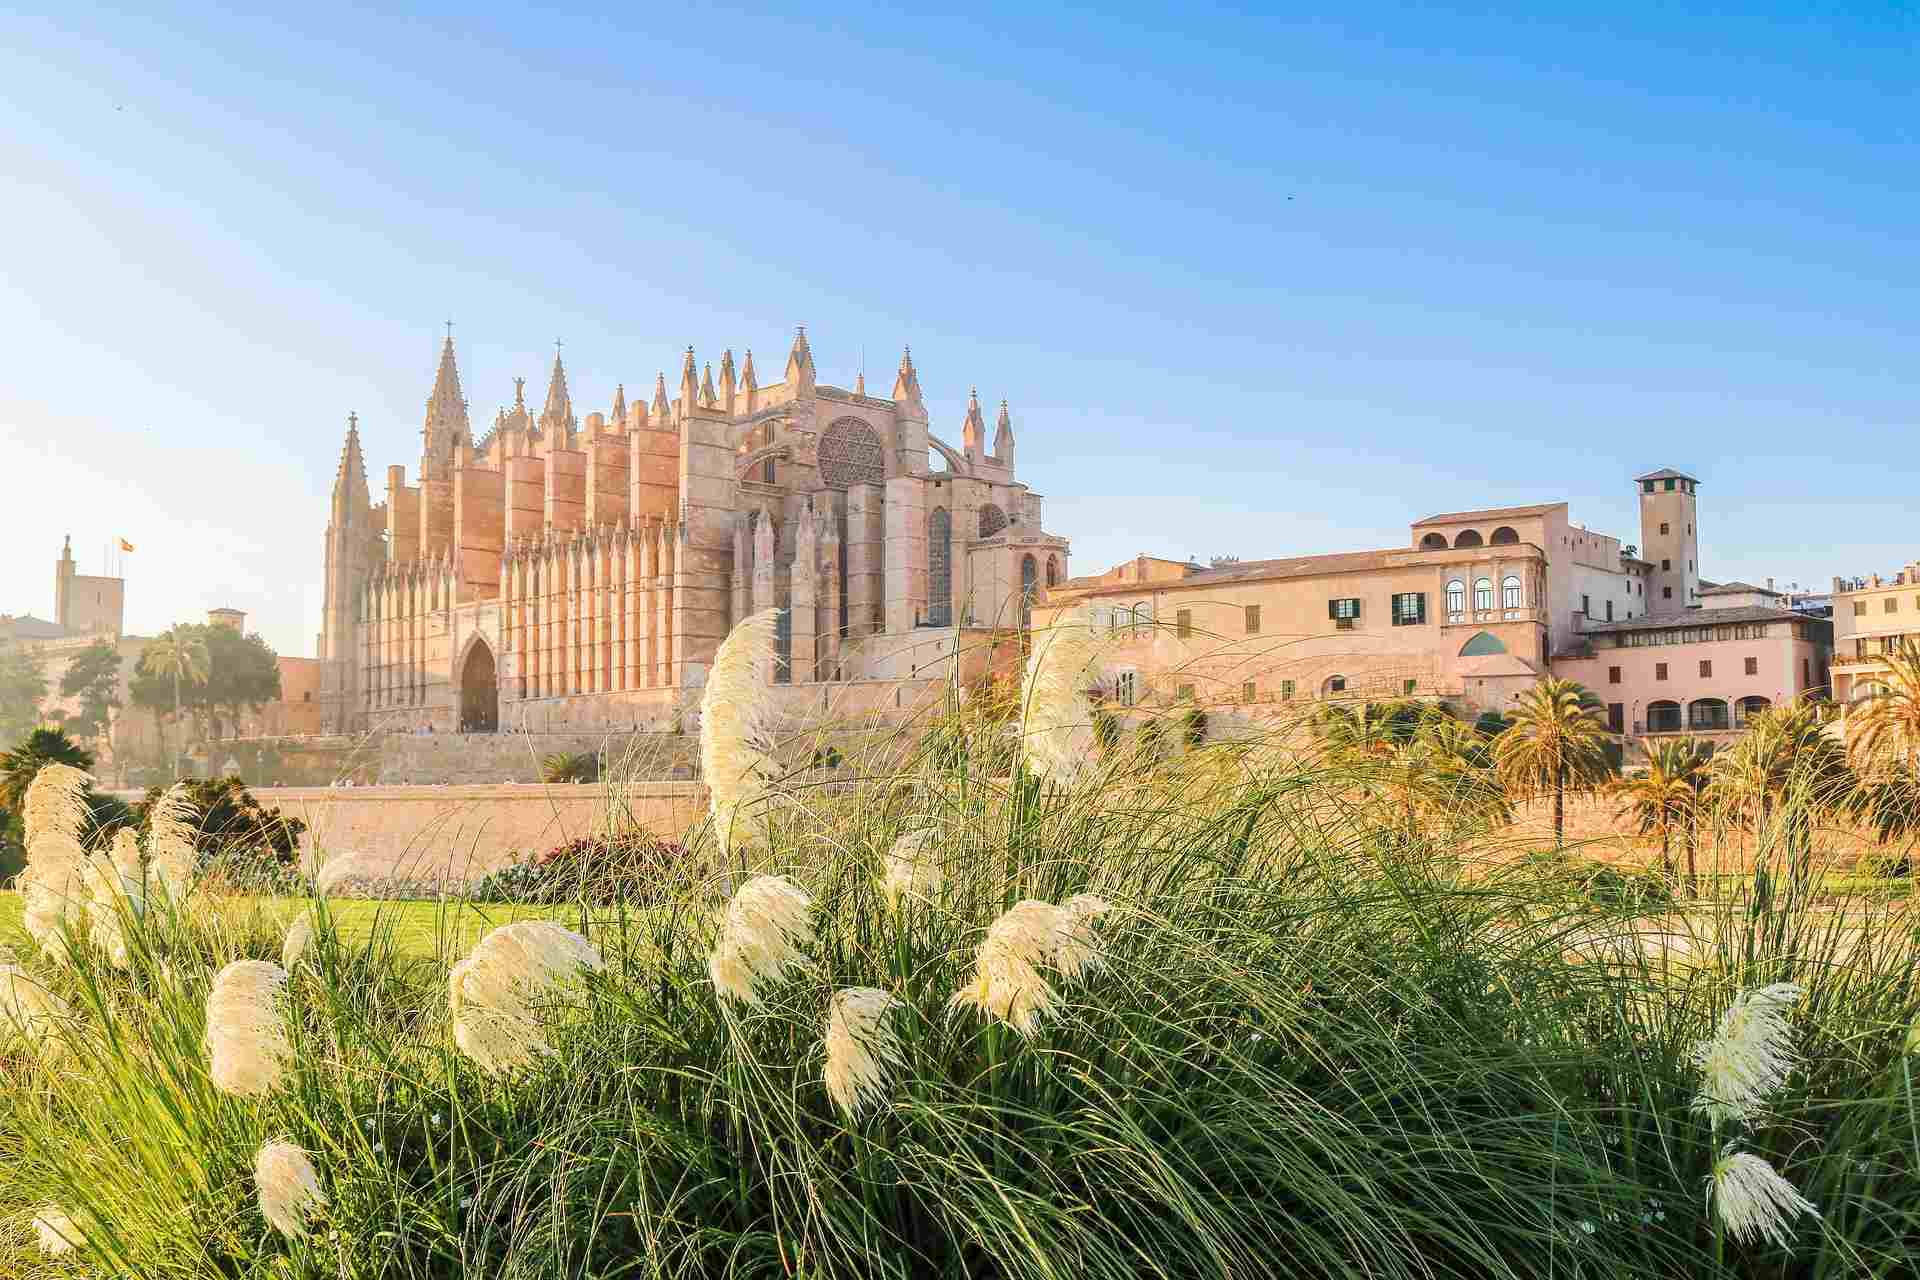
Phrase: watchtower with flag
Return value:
(84, 604)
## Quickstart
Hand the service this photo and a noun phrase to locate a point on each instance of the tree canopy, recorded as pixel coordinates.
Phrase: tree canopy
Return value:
(93, 676)
(23, 685)
(242, 672)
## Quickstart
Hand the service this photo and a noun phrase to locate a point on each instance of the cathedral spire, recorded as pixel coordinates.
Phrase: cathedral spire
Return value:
(662, 415)
(620, 406)
(906, 386)
(707, 399)
(689, 384)
(350, 493)
(556, 419)
(973, 431)
(800, 363)
(446, 419)
(1003, 437)
(727, 381)
(860, 383)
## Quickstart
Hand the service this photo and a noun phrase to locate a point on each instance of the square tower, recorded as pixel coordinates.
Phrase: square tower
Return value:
(1669, 540)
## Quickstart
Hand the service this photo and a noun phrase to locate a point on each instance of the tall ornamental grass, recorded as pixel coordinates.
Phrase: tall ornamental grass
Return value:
(1224, 1017)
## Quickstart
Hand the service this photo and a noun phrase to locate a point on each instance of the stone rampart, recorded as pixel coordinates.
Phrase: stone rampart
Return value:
(431, 833)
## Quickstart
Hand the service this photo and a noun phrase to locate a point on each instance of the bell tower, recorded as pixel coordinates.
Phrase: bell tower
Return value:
(1669, 539)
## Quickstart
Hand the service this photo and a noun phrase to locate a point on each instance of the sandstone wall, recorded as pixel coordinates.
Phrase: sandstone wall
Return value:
(428, 832)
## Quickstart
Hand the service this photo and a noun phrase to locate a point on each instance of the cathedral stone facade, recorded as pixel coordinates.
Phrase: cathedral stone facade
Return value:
(553, 574)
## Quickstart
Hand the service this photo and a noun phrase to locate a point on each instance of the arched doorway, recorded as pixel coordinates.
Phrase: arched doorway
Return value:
(479, 691)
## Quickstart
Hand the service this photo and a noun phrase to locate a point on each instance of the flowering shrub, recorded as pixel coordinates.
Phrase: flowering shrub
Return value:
(634, 868)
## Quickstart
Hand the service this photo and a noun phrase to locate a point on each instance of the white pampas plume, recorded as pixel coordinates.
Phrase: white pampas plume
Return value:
(245, 1034)
(109, 893)
(1056, 731)
(912, 868)
(1077, 952)
(126, 856)
(767, 926)
(289, 1189)
(56, 801)
(28, 1009)
(735, 724)
(1007, 982)
(299, 938)
(1750, 1054)
(861, 1045)
(54, 883)
(490, 993)
(171, 829)
(57, 1230)
(1753, 1200)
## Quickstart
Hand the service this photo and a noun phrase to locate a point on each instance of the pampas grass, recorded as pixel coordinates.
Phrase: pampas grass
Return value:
(1007, 983)
(288, 1188)
(28, 1009)
(1057, 740)
(246, 1033)
(57, 1232)
(912, 869)
(492, 993)
(735, 724)
(1750, 1054)
(1754, 1201)
(764, 931)
(862, 1047)
(171, 830)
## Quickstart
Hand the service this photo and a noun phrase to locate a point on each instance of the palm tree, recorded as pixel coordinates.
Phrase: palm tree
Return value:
(1557, 739)
(177, 654)
(1785, 764)
(1886, 727)
(1666, 797)
(40, 748)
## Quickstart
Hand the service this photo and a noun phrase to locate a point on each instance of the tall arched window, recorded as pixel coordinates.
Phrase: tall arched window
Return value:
(1467, 538)
(1510, 592)
(1482, 595)
(1029, 580)
(1504, 536)
(1456, 599)
(1053, 571)
(940, 567)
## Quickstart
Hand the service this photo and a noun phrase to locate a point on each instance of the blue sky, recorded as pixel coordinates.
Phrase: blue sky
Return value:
(1261, 283)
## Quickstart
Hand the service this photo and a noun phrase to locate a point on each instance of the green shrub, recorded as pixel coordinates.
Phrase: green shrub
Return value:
(233, 828)
(631, 868)
(570, 766)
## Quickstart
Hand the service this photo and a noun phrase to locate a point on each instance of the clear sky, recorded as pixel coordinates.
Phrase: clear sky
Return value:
(1264, 284)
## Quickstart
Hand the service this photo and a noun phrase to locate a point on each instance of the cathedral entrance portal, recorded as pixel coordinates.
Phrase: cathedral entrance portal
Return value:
(479, 691)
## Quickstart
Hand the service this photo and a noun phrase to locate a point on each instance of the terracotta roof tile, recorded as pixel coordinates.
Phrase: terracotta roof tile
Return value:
(1491, 513)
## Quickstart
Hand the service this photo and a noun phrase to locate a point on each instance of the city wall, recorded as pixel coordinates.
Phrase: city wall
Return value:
(425, 832)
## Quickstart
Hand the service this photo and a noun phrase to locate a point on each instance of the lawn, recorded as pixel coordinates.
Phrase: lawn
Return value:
(417, 926)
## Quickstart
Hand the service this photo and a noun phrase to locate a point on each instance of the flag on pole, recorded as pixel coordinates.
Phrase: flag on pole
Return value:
(125, 545)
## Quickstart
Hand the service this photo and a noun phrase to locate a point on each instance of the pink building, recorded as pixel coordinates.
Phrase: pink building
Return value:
(1701, 671)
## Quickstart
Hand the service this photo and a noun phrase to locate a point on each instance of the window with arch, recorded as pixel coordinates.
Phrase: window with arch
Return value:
(1510, 594)
(1334, 685)
(1707, 713)
(1482, 595)
(1053, 571)
(1504, 536)
(850, 454)
(1434, 542)
(1456, 599)
(1663, 717)
(1029, 579)
(1749, 707)
(940, 567)
(1142, 615)
(1468, 538)
(992, 520)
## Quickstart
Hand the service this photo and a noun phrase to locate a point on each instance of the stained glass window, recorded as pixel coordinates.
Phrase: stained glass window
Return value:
(850, 454)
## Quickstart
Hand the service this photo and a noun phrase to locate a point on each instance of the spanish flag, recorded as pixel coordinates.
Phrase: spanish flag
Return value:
(125, 545)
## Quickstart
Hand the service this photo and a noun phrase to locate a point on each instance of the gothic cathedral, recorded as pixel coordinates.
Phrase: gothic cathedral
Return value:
(554, 575)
